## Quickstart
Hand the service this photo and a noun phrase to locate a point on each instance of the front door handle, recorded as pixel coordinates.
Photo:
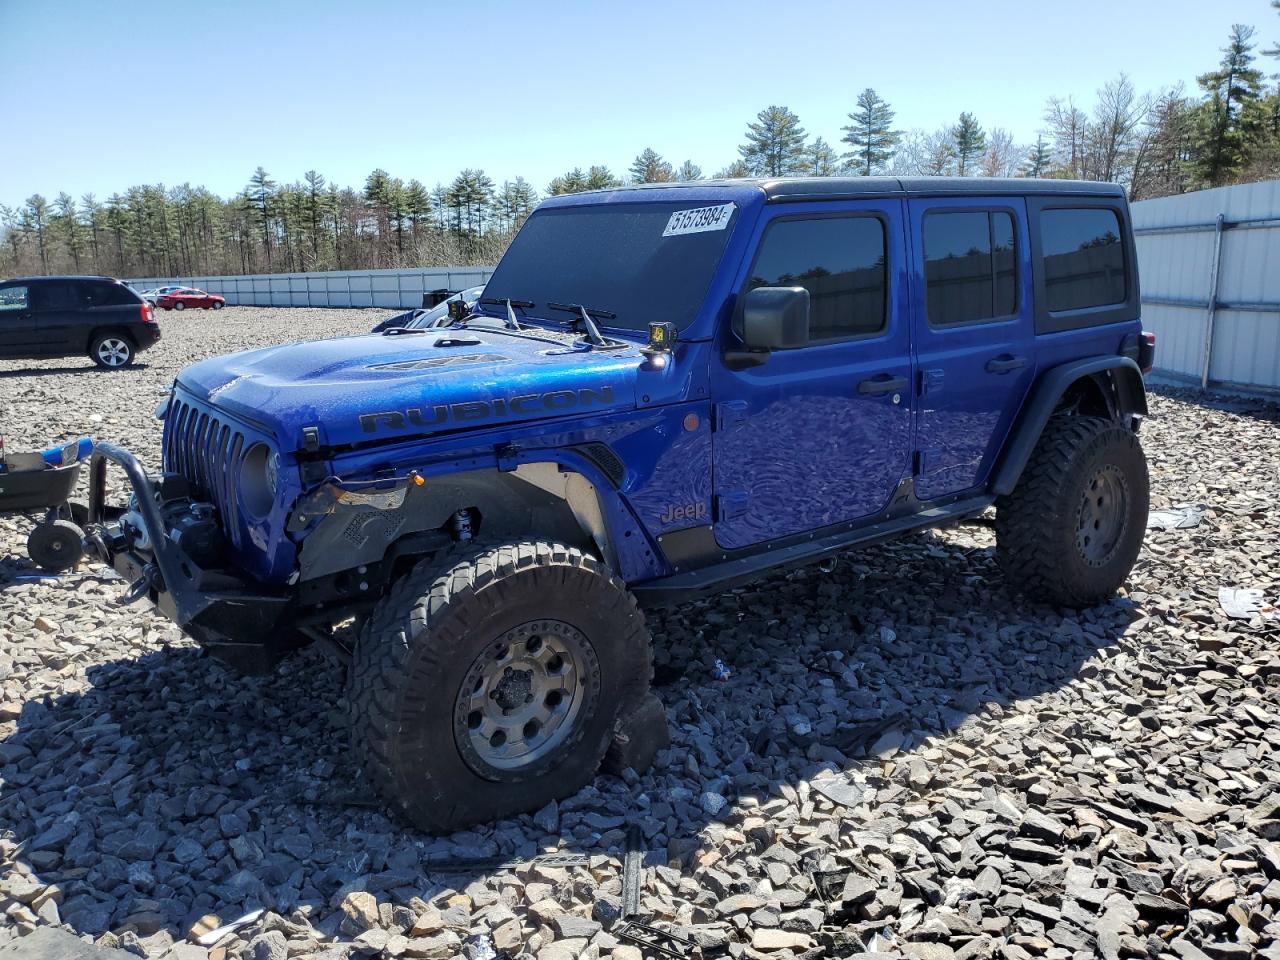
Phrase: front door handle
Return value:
(1005, 363)
(883, 384)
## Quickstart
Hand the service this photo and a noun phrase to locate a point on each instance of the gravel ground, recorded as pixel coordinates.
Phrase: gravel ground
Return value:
(967, 775)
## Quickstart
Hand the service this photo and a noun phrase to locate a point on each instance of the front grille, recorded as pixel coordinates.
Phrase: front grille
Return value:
(206, 451)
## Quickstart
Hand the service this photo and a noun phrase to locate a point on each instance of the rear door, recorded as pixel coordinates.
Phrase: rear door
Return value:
(17, 322)
(60, 321)
(107, 303)
(974, 334)
(819, 435)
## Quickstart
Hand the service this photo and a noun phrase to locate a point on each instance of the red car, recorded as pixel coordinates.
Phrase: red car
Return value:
(185, 297)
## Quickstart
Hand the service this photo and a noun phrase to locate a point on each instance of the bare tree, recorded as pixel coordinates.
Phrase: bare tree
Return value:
(1066, 123)
(1002, 156)
(1113, 134)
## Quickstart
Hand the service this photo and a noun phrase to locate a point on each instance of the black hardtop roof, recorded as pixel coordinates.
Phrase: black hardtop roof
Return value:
(837, 188)
(60, 277)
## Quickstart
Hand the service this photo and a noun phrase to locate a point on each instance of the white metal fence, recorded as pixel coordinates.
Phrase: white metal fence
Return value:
(339, 288)
(1210, 273)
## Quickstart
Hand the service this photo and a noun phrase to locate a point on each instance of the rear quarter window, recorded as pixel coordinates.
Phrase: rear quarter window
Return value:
(1084, 260)
(107, 295)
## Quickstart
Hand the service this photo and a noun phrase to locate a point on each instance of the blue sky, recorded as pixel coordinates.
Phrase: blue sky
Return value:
(97, 96)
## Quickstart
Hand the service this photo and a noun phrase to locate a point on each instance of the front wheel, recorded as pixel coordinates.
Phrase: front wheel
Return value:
(489, 682)
(1071, 530)
(179, 305)
(111, 351)
(217, 304)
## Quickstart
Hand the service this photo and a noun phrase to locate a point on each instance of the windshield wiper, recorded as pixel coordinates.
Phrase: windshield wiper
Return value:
(512, 322)
(584, 316)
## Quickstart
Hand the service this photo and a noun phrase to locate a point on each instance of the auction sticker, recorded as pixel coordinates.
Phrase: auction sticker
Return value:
(699, 220)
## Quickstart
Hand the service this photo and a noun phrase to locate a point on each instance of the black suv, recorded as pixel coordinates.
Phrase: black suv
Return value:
(75, 316)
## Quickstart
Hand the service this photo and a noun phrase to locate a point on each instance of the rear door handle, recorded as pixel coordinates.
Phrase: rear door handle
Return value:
(883, 384)
(1005, 364)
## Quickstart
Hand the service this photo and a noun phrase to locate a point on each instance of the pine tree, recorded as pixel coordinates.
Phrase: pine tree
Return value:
(775, 144)
(649, 167)
(575, 181)
(261, 192)
(417, 203)
(820, 159)
(735, 171)
(600, 177)
(1037, 162)
(66, 222)
(91, 219)
(11, 225)
(38, 217)
(1231, 88)
(688, 172)
(870, 133)
(970, 142)
(317, 200)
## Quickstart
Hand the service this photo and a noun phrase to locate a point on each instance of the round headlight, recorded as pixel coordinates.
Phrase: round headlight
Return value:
(259, 472)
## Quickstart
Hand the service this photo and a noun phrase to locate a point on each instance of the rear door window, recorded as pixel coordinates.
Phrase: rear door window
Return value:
(55, 296)
(1084, 262)
(841, 261)
(970, 266)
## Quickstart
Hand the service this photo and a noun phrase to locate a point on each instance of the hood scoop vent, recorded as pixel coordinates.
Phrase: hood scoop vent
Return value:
(428, 363)
(462, 341)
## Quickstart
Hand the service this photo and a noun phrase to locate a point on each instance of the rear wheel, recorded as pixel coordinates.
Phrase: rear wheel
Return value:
(490, 681)
(111, 351)
(1071, 531)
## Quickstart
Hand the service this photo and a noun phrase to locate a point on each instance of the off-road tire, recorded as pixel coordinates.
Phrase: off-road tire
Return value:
(1041, 526)
(414, 653)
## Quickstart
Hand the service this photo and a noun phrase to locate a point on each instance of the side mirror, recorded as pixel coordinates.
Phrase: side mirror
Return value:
(773, 318)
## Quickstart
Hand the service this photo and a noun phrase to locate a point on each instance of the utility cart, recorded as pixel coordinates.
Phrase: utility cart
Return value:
(41, 484)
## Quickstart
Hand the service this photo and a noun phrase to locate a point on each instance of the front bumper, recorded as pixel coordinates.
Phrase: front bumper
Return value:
(235, 619)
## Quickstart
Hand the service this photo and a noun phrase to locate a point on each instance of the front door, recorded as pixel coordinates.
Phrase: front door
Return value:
(819, 435)
(974, 335)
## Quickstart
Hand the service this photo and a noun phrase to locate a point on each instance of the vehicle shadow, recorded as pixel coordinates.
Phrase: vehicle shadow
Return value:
(89, 367)
(169, 789)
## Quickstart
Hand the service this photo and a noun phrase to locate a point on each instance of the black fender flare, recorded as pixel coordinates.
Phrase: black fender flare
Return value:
(1130, 400)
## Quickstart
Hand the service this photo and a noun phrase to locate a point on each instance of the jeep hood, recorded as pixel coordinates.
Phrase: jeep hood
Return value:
(378, 387)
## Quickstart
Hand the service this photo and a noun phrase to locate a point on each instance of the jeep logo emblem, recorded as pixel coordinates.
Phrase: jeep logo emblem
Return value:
(474, 411)
(688, 511)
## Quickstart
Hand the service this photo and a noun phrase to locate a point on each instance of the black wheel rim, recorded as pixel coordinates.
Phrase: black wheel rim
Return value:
(1103, 515)
(524, 698)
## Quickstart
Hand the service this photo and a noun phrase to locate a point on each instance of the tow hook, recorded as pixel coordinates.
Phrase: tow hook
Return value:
(142, 586)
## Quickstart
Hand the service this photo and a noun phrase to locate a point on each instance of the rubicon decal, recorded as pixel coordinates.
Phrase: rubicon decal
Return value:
(475, 411)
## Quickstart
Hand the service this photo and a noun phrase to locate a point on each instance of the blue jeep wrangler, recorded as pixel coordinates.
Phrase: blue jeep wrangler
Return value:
(663, 392)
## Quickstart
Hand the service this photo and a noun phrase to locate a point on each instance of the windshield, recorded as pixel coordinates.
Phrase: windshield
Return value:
(643, 262)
